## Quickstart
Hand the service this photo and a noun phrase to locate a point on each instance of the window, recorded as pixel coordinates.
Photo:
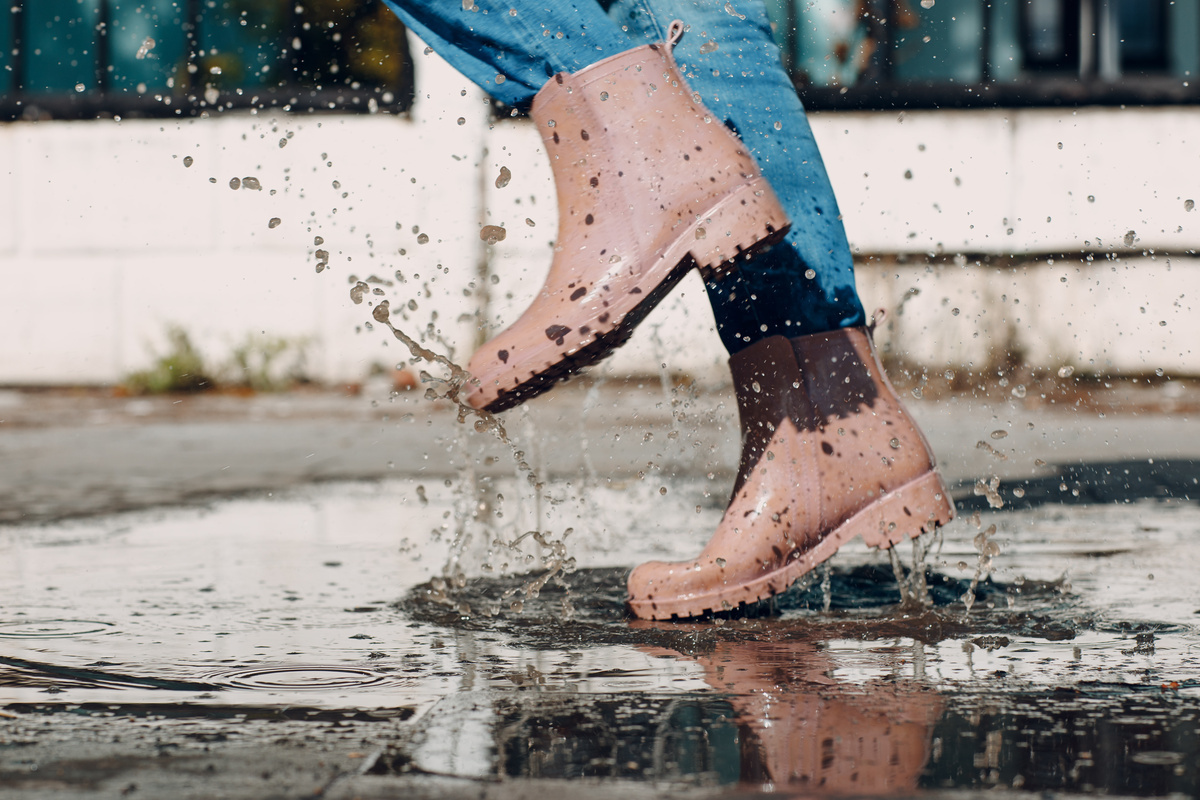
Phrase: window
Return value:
(1050, 34)
(962, 53)
(84, 58)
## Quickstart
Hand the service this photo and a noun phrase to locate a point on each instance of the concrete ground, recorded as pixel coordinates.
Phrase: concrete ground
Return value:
(66, 454)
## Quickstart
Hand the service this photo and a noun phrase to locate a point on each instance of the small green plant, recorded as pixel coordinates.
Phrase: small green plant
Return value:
(180, 369)
(268, 363)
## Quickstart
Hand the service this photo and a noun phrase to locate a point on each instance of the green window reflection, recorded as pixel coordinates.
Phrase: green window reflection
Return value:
(59, 45)
(7, 23)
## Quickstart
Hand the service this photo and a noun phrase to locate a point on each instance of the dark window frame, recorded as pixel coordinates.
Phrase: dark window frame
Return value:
(878, 90)
(185, 102)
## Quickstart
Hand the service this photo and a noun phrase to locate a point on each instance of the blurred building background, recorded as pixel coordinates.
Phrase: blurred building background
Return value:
(1017, 177)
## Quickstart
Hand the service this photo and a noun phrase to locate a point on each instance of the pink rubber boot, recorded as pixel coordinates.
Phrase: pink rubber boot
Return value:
(828, 453)
(650, 184)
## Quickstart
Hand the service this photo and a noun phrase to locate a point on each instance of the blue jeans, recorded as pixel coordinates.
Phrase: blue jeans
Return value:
(742, 81)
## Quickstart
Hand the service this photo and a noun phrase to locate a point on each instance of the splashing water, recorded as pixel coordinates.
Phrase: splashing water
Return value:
(914, 587)
(556, 562)
(988, 549)
(990, 490)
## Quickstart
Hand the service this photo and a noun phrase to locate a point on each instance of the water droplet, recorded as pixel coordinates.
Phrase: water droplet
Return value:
(1129, 237)
(495, 279)
(908, 174)
(1188, 205)
(1066, 372)
(662, 490)
(500, 79)
(283, 142)
(530, 222)
(999, 434)
(462, 120)
(778, 125)
(251, 184)
(318, 240)
(955, 312)
(701, 233)
(708, 46)
(492, 234)
(948, 374)
(755, 386)
(1158, 371)
(235, 183)
(423, 238)
(550, 123)
(428, 50)
(337, 184)
(927, 4)
(810, 273)
(188, 161)
(79, 87)
(145, 48)
(1018, 492)
(503, 178)
(604, 95)
(1018, 391)
(274, 223)
(1091, 198)
(1060, 145)
(720, 561)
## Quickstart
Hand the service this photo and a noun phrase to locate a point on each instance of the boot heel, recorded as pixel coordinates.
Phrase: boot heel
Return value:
(918, 506)
(743, 222)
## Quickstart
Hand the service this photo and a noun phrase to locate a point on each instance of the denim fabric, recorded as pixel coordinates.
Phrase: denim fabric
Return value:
(730, 58)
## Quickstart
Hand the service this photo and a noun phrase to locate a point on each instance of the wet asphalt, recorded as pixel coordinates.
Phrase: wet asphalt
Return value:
(217, 596)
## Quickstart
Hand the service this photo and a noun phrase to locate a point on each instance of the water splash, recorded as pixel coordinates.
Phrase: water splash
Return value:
(988, 549)
(145, 48)
(453, 386)
(990, 490)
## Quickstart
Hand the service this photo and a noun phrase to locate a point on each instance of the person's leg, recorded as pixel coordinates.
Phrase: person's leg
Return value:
(511, 48)
(806, 283)
(828, 451)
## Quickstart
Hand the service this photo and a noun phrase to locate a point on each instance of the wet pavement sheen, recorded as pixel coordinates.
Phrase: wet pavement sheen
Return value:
(308, 628)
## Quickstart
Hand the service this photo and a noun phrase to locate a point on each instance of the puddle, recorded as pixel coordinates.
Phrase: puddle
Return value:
(1074, 670)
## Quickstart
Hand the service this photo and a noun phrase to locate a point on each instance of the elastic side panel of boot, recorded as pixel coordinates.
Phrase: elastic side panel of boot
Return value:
(765, 378)
(835, 367)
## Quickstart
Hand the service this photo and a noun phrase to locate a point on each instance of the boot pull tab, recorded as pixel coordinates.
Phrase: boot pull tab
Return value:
(675, 32)
(876, 318)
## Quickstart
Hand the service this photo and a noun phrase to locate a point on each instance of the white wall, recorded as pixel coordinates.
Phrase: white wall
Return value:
(105, 236)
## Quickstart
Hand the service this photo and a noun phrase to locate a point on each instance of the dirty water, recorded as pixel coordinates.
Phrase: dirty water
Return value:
(315, 613)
